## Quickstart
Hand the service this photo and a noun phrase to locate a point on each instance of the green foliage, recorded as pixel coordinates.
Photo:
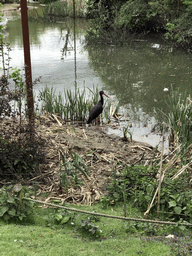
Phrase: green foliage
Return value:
(73, 106)
(139, 185)
(58, 218)
(146, 228)
(56, 9)
(88, 225)
(69, 170)
(133, 14)
(19, 86)
(12, 204)
(125, 131)
(172, 17)
(179, 117)
(19, 156)
(17, 78)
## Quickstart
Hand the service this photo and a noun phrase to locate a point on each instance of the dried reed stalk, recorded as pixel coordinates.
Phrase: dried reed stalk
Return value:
(181, 170)
(160, 170)
(169, 165)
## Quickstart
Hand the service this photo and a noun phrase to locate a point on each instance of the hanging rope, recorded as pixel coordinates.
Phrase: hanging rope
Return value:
(109, 216)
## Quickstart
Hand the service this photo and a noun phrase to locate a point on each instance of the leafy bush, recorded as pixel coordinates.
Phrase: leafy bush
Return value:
(59, 217)
(139, 185)
(19, 156)
(174, 18)
(89, 226)
(179, 27)
(133, 14)
(12, 204)
(19, 153)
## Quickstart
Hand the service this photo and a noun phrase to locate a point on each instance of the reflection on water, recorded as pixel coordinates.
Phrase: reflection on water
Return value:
(136, 74)
(52, 53)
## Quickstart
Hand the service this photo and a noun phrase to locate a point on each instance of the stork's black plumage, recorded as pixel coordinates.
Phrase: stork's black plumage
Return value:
(97, 109)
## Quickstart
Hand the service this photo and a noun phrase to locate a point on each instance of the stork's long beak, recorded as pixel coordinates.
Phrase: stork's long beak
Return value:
(106, 95)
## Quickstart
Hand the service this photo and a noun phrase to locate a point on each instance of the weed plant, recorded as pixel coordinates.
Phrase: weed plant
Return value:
(125, 131)
(69, 170)
(13, 206)
(139, 185)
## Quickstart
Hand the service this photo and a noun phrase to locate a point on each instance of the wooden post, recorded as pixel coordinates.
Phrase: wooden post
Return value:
(74, 20)
(27, 59)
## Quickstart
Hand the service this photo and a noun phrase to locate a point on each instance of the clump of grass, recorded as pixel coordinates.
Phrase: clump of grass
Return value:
(179, 118)
(56, 8)
(76, 105)
(125, 131)
(72, 105)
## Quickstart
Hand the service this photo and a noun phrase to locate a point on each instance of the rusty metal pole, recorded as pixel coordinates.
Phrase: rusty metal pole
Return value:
(27, 59)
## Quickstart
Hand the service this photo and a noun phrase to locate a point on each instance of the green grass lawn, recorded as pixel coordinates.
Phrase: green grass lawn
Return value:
(34, 240)
(42, 236)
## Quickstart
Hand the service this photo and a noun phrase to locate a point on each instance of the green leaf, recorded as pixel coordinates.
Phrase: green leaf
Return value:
(116, 195)
(11, 200)
(58, 217)
(172, 204)
(65, 219)
(178, 209)
(12, 212)
(3, 210)
(6, 217)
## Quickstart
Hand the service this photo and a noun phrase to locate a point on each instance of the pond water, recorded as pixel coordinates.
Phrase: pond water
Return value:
(135, 75)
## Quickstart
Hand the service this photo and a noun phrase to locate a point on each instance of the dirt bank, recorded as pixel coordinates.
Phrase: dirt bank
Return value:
(95, 152)
(9, 8)
(100, 152)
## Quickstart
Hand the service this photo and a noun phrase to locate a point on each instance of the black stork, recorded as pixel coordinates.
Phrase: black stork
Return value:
(97, 109)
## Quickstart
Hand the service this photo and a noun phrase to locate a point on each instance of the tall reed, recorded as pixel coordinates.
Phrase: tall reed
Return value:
(71, 105)
(179, 117)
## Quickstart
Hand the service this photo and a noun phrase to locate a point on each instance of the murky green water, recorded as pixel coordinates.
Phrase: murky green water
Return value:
(135, 74)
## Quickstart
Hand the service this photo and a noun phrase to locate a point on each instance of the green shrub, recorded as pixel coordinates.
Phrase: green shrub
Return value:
(133, 14)
(139, 185)
(12, 204)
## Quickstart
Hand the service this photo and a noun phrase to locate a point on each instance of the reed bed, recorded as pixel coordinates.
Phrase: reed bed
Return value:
(71, 105)
(58, 9)
(179, 119)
